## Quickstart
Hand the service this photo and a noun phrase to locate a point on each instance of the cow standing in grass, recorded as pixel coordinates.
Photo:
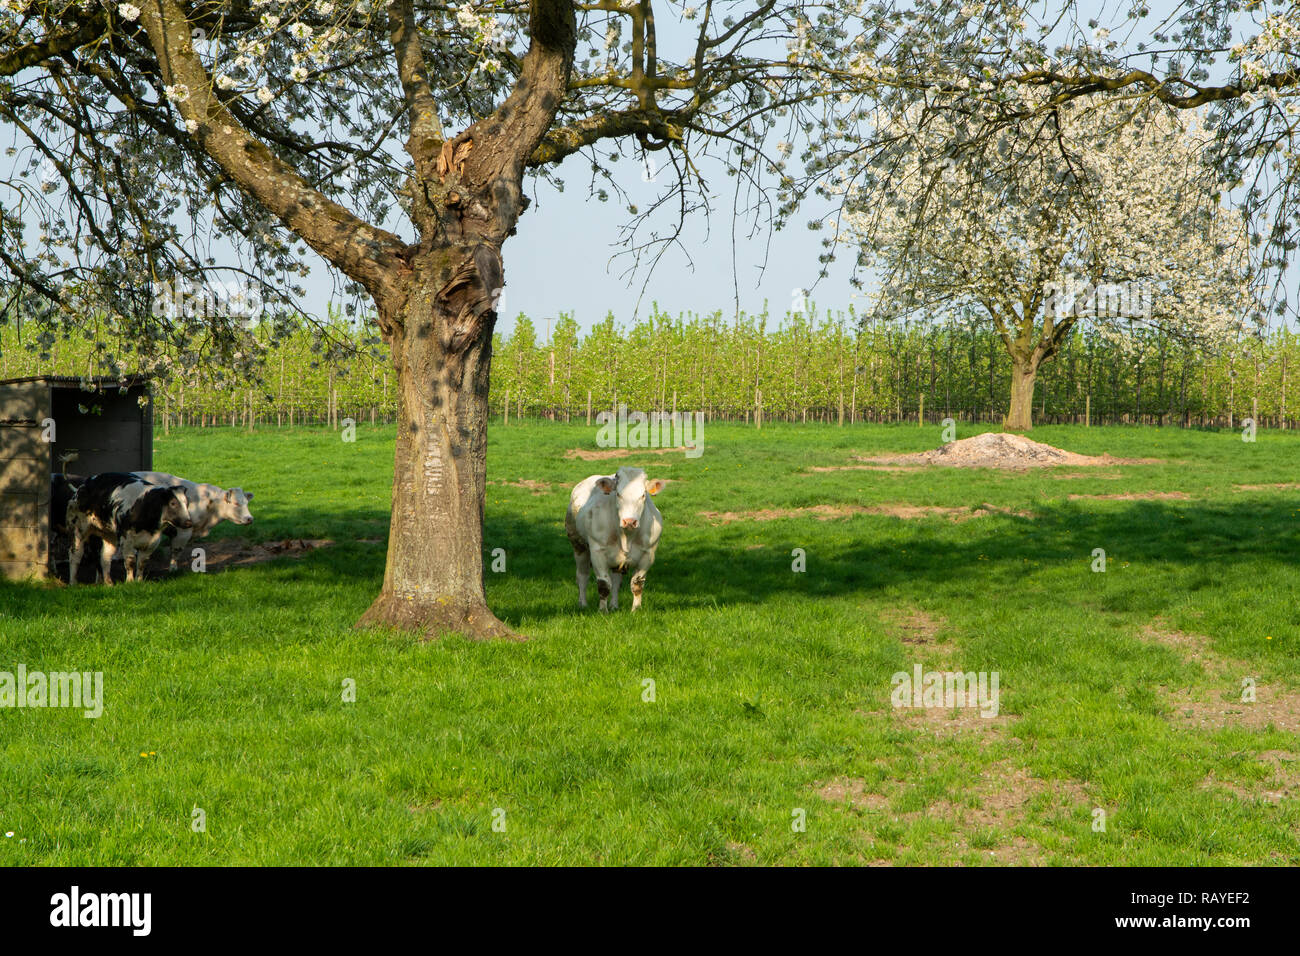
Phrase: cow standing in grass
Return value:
(208, 506)
(123, 512)
(613, 526)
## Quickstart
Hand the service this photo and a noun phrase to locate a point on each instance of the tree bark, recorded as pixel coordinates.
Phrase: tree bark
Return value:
(1024, 372)
(433, 577)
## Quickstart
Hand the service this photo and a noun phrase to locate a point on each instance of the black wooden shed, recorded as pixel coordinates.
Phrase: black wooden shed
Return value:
(53, 424)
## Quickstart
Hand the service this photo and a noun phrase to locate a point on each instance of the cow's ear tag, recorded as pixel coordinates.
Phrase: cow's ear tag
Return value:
(656, 486)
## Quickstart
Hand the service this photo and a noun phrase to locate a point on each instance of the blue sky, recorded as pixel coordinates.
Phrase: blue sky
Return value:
(560, 258)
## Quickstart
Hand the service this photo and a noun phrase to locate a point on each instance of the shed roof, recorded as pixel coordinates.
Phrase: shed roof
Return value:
(76, 381)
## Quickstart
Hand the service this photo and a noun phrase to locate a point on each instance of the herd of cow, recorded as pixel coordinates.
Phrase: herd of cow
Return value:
(611, 522)
(131, 511)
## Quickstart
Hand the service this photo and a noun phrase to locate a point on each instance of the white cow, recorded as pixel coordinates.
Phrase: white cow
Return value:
(209, 505)
(613, 526)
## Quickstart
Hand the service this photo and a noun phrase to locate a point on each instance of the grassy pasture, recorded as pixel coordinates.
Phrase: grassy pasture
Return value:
(1120, 691)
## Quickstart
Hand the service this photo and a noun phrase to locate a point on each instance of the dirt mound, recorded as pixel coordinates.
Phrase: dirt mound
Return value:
(1002, 450)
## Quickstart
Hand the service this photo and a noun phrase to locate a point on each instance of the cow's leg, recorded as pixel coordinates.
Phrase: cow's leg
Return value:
(583, 561)
(74, 553)
(143, 552)
(106, 552)
(638, 586)
(615, 582)
(600, 564)
(180, 545)
(638, 579)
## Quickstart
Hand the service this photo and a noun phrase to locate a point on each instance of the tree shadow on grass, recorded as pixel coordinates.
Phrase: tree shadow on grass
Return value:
(700, 566)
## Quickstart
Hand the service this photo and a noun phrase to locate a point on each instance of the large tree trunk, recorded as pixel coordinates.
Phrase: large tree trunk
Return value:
(436, 298)
(433, 579)
(1024, 371)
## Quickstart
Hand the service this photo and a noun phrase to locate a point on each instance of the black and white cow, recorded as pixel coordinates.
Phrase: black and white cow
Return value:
(613, 526)
(208, 505)
(125, 513)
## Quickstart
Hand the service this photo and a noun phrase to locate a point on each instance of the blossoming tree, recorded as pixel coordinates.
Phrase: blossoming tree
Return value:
(1090, 215)
(393, 139)
(981, 67)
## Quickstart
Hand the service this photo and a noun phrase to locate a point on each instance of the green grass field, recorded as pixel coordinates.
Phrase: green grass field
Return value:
(1121, 692)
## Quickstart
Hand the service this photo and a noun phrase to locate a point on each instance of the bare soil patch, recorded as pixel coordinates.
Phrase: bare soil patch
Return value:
(1272, 707)
(536, 487)
(1001, 450)
(1283, 782)
(1193, 647)
(236, 553)
(1279, 486)
(832, 512)
(915, 626)
(920, 632)
(822, 468)
(998, 800)
(1074, 475)
(852, 790)
(1136, 496)
(599, 454)
(942, 722)
(1220, 705)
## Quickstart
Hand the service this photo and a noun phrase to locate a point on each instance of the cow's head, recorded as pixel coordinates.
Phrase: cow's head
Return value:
(176, 507)
(233, 506)
(631, 485)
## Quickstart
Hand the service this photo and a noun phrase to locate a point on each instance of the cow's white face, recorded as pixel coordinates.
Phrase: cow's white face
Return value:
(632, 486)
(233, 506)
